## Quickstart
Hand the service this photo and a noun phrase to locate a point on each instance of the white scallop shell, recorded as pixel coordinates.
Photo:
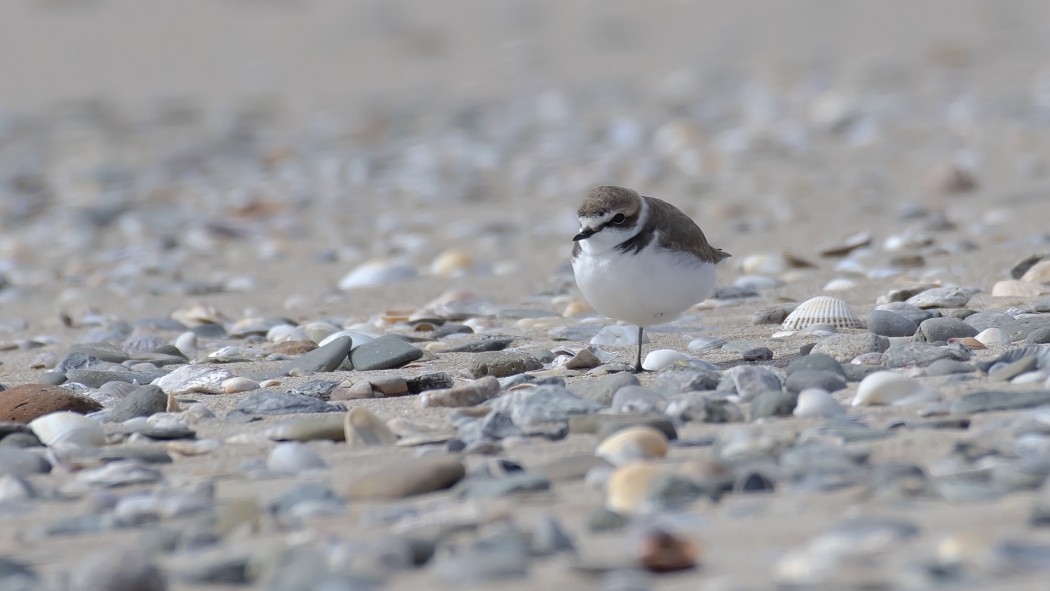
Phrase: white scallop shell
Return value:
(822, 310)
(286, 332)
(892, 388)
(187, 344)
(68, 428)
(840, 284)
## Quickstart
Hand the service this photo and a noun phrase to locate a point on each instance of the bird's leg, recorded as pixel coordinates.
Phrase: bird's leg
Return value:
(638, 360)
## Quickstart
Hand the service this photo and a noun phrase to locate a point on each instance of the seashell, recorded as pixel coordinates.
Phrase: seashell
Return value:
(1018, 288)
(357, 337)
(293, 457)
(848, 245)
(194, 378)
(377, 272)
(632, 444)
(577, 310)
(453, 262)
(822, 310)
(992, 336)
(239, 384)
(892, 388)
(319, 331)
(68, 428)
(706, 344)
(141, 343)
(198, 314)
(664, 358)
(816, 403)
(968, 342)
(628, 487)
(362, 428)
(186, 343)
(286, 332)
(840, 284)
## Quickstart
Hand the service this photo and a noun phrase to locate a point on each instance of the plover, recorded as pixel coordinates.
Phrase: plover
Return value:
(639, 259)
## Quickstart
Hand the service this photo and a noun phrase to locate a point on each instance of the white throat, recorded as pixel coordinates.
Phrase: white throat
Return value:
(610, 236)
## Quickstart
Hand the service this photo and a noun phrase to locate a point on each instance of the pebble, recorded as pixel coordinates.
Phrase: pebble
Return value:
(25, 402)
(660, 551)
(550, 538)
(890, 324)
(988, 401)
(637, 400)
(292, 458)
(946, 367)
(1009, 371)
(141, 402)
(469, 394)
(943, 297)
(272, 402)
(752, 380)
(602, 390)
(362, 428)
(501, 364)
(542, 404)
(329, 427)
(325, 358)
(386, 352)
(116, 569)
(20, 462)
(486, 559)
(829, 381)
(844, 347)
(815, 403)
(680, 379)
(891, 388)
(1038, 335)
(397, 479)
(939, 330)
(773, 404)
(190, 379)
(900, 355)
(482, 345)
(632, 444)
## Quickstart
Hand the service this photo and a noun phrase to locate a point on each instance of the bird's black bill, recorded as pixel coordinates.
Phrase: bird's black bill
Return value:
(583, 235)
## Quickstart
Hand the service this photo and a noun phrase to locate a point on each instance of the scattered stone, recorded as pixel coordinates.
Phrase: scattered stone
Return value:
(26, 402)
(116, 569)
(272, 402)
(542, 404)
(363, 428)
(943, 297)
(637, 400)
(939, 330)
(816, 403)
(550, 538)
(322, 359)
(328, 427)
(141, 402)
(774, 404)
(752, 380)
(1019, 328)
(704, 408)
(428, 381)
(844, 347)
(503, 486)
(978, 402)
(397, 479)
(602, 390)
(890, 324)
(901, 355)
(758, 354)
(502, 364)
(482, 345)
(677, 380)
(1018, 271)
(20, 462)
(190, 379)
(829, 381)
(947, 367)
(1011, 370)
(385, 352)
(491, 558)
(1039, 335)
(470, 394)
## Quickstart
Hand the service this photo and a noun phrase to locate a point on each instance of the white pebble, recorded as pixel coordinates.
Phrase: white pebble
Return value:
(187, 344)
(817, 403)
(293, 457)
(662, 358)
(891, 388)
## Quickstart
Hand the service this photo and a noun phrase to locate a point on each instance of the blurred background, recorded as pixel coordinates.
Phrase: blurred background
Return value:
(152, 149)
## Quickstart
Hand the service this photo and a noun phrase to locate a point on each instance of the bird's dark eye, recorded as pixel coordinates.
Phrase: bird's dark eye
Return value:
(618, 218)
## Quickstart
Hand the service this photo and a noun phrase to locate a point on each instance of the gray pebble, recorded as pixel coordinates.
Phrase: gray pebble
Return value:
(1009, 371)
(116, 569)
(322, 359)
(774, 404)
(704, 408)
(1020, 328)
(284, 507)
(542, 404)
(977, 402)
(142, 402)
(828, 381)
(493, 557)
(1039, 335)
(272, 402)
(549, 538)
(751, 380)
(988, 319)
(386, 352)
(939, 330)
(758, 354)
(857, 372)
(946, 367)
(637, 400)
(918, 355)
(19, 462)
(101, 351)
(208, 331)
(603, 389)
(821, 361)
(488, 488)
(483, 345)
(890, 324)
(678, 379)
(319, 389)
(844, 347)
(943, 297)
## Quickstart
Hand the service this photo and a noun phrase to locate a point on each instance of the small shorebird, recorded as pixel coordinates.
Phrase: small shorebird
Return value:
(639, 259)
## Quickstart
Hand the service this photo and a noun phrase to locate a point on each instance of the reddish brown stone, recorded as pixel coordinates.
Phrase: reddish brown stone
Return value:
(26, 402)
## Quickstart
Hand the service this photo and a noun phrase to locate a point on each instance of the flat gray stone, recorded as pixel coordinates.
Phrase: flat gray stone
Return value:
(988, 319)
(890, 324)
(856, 372)
(815, 378)
(751, 380)
(939, 330)
(637, 400)
(386, 352)
(844, 347)
(820, 361)
(20, 462)
(1020, 328)
(322, 359)
(272, 402)
(774, 404)
(542, 404)
(491, 558)
(1013, 369)
(141, 402)
(603, 389)
(947, 367)
(482, 345)
(488, 488)
(676, 380)
(401, 478)
(1038, 336)
(919, 355)
(988, 401)
(943, 297)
